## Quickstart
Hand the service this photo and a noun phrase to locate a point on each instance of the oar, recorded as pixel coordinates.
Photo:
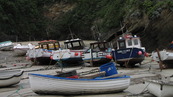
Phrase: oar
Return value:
(89, 71)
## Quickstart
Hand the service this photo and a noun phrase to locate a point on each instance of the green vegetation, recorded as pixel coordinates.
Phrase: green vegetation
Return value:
(21, 19)
(25, 19)
(105, 14)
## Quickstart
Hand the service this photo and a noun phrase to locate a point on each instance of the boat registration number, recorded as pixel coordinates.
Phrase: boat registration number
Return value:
(123, 51)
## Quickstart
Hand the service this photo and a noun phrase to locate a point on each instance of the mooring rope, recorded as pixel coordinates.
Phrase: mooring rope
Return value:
(17, 91)
(141, 93)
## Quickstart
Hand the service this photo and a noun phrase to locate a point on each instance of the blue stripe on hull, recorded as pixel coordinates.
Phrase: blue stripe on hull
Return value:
(64, 78)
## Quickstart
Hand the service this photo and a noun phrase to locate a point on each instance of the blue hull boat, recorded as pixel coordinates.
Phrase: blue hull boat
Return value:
(129, 51)
(128, 56)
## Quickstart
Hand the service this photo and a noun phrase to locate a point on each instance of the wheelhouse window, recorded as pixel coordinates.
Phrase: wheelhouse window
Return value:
(101, 46)
(51, 46)
(68, 45)
(45, 47)
(56, 45)
(135, 41)
(76, 44)
(129, 42)
(122, 44)
(95, 46)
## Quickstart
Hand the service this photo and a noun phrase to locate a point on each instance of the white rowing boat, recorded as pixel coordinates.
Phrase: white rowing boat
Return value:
(10, 77)
(160, 88)
(49, 84)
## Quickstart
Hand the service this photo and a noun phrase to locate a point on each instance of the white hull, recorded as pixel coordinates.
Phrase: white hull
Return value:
(35, 53)
(7, 48)
(7, 45)
(8, 78)
(20, 50)
(67, 55)
(95, 56)
(58, 85)
(160, 89)
(164, 55)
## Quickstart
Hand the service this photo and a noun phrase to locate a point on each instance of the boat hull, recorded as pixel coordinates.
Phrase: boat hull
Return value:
(9, 78)
(75, 61)
(98, 61)
(40, 56)
(43, 61)
(128, 56)
(47, 84)
(6, 46)
(130, 61)
(166, 57)
(159, 89)
(67, 56)
(96, 58)
(20, 52)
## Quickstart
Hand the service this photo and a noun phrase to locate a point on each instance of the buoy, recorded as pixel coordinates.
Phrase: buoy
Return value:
(146, 54)
(76, 54)
(51, 57)
(109, 56)
(139, 53)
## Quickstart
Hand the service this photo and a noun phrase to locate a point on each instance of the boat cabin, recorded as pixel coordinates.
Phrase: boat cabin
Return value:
(128, 41)
(74, 44)
(100, 46)
(49, 44)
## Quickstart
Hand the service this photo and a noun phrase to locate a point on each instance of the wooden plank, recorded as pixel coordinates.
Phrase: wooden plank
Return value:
(91, 76)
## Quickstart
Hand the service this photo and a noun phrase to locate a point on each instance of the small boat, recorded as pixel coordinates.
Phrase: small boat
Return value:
(160, 88)
(71, 54)
(10, 77)
(49, 84)
(41, 55)
(166, 56)
(67, 56)
(21, 50)
(98, 53)
(129, 51)
(6, 46)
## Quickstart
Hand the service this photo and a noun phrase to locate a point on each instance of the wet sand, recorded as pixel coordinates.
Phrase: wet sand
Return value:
(140, 73)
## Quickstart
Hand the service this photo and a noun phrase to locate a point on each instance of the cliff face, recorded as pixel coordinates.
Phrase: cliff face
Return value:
(155, 32)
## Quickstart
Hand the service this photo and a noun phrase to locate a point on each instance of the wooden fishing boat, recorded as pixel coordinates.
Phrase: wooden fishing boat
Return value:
(41, 55)
(67, 56)
(71, 54)
(160, 88)
(49, 84)
(10, 77)
(21, 50)
(98, 53)
(6, 46)
(129, 50)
